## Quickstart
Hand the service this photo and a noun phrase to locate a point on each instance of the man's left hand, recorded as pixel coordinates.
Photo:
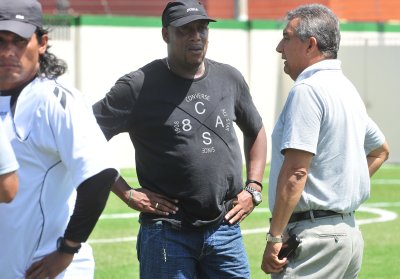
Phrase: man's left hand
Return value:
(242, 207)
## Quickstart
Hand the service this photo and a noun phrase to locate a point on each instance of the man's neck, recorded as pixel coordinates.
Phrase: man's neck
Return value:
(12, 90)
(188, 73)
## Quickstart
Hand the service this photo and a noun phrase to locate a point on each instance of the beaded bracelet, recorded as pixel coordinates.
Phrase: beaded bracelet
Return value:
(248, 181)
(130, 198)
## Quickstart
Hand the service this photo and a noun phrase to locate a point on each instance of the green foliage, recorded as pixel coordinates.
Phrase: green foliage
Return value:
(382, 245)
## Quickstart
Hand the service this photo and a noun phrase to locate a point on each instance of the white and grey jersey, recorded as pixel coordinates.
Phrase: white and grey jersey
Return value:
(56, 141)
(8, 162)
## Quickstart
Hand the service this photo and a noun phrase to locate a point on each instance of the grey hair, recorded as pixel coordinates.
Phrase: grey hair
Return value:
(319, 22)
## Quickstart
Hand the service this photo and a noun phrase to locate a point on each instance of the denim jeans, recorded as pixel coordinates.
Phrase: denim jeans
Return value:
(165, 252)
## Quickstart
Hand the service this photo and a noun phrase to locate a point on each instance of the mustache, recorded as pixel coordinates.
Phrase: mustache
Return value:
(9, 62)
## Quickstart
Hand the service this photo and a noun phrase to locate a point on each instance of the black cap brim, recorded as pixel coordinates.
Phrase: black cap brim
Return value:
(22, 29)
(185, 20)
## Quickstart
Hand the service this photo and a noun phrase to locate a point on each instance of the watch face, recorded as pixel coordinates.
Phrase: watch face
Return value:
(257, 198)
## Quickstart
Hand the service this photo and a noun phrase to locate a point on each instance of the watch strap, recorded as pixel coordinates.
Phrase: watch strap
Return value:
(250, 189)
(274, 239)
(256, 195)
(249, 181)
(63, 247)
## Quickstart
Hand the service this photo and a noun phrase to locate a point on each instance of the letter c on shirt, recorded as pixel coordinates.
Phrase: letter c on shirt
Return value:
(197, 109)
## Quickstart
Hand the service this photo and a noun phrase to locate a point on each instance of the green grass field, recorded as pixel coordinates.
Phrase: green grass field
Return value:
(114, 238)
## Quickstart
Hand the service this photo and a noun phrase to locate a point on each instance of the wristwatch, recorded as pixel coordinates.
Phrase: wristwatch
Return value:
(63, 247)
(274, 239)
(257, 197)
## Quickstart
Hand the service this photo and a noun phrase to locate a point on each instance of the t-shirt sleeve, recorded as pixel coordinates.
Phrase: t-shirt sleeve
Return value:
(303, 115)
(8, 162)
(374, 137)
(247, 117)
(114, 112)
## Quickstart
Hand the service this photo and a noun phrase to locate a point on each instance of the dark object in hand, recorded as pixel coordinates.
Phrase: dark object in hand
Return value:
(290, 246)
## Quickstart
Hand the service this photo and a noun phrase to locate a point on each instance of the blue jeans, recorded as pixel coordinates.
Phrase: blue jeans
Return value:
(165, 252)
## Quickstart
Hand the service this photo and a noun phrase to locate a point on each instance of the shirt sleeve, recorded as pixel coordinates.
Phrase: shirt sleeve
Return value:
(8, 162)
(91, 199)
(114, 112)
(248, 118)
(374, 137)
(302, 119)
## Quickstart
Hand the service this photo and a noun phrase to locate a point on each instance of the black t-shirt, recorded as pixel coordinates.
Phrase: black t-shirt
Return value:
(182, 131)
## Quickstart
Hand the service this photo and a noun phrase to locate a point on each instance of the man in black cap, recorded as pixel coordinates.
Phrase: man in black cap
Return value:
(64, 181)
(179, 113)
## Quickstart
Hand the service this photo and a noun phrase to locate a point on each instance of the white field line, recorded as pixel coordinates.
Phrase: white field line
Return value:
(119, 216)
(383, 216)
(382, 204)
(386, 181)
(390, 166)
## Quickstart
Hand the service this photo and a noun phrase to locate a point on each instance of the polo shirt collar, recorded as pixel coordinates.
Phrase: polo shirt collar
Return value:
(328, 64)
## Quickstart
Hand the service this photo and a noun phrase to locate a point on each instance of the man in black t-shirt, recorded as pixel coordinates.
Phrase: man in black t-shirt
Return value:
(179, 112)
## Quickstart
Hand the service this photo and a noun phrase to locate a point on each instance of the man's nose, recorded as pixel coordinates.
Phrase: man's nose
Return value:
(279, 47)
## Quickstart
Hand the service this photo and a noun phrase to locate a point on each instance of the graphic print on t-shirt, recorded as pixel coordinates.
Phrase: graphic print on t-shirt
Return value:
(205, 116)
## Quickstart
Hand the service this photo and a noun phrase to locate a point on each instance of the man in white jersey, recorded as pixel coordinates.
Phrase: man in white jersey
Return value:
(64, 179)
(8, 167)
(324, 150)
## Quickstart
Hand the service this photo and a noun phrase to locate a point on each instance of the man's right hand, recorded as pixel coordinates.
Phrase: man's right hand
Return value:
(144, 200)
(147, 201)
(50, 266)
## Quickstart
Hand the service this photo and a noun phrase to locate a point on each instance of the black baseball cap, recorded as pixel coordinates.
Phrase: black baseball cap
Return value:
(21, 17)
(181, 12)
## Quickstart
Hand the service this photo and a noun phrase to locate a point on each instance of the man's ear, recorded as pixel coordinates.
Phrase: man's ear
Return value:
(165, 34)
(312, 43)
(43, 44)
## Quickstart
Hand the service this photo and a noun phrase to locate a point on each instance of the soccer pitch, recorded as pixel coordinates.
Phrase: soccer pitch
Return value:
(114, 238)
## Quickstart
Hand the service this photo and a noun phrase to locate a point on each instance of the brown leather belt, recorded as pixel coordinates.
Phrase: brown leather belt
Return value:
(307, 215)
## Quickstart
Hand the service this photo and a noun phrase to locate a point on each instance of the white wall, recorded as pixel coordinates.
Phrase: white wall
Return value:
(266, 68)
(97, 56)
(371, 61)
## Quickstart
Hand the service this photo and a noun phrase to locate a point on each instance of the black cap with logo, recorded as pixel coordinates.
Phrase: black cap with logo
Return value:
(179, 13)
(21, 17)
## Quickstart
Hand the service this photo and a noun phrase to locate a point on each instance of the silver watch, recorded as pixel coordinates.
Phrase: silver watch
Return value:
(274, 239)
(257, 196)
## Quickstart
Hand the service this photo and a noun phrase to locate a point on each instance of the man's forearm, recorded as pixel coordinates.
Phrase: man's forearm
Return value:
(256, 154)
(8, 186)
(290, 187)
(291, 181)
(122, 189)
(377, 157)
